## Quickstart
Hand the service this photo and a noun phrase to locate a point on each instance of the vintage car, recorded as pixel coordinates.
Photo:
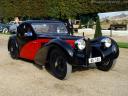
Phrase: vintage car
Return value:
(12, 26)
(3, 28)
(48, 43)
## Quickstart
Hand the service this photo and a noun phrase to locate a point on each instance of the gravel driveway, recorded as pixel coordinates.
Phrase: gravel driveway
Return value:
(21, 78)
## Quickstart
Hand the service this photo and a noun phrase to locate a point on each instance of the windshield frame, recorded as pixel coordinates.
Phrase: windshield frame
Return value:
(53, 24)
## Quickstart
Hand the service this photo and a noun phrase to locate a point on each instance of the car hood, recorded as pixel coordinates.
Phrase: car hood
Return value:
(61, 36)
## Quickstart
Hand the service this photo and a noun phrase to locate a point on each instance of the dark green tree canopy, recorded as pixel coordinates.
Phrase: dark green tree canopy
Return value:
(58, 8)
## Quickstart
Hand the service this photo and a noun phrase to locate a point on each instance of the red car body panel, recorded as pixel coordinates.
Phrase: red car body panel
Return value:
(29, 50)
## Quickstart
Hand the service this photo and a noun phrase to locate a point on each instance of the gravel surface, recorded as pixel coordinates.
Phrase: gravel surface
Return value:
(119, 36)
(21, 78)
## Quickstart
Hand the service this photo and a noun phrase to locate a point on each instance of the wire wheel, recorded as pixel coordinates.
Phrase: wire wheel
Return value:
(106, 64)
(59, 65)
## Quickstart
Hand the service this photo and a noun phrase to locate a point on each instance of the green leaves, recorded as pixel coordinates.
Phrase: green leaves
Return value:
(63, 8)
(98, 32)
(31, 8)
(57, 8)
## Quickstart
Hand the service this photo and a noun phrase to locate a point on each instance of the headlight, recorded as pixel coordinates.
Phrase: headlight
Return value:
(107, 42)
(80, 44)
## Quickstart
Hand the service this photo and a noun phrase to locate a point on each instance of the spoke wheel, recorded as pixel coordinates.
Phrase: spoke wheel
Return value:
(59, 65)
(106, 64)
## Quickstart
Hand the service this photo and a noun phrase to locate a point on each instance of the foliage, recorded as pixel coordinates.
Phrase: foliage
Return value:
(98, 32)
(56, 8)
(88, 20)
(123, 45)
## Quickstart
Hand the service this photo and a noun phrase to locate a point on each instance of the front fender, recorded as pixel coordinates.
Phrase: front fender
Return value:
(111, 52)
(42, 55)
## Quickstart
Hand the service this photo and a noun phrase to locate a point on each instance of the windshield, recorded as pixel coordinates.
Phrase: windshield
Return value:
(40, 28)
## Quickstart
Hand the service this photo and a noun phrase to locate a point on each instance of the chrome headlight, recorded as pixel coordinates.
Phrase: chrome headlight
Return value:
(80, 44)
(107, 42)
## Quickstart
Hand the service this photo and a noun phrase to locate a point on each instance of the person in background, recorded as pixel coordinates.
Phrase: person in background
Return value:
(69, 25)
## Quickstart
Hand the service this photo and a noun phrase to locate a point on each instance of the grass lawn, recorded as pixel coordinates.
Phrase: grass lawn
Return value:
(5, 33)
(122, 45)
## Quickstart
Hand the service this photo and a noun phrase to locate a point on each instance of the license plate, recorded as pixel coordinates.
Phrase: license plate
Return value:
(94, 60)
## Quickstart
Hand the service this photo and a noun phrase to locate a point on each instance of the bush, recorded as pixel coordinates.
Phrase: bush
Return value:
(98, 32)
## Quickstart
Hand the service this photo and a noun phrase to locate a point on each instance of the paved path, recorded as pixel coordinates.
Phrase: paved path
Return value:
(20, 78)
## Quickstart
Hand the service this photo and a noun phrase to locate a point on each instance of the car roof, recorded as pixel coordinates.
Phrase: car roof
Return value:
(42, 21)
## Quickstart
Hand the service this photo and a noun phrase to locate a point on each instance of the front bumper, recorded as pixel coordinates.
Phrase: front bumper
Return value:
(81, 58)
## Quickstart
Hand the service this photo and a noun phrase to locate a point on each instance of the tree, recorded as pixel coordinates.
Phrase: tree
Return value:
(98, 32)
(22, 8)
(63, 9)
(57, 8)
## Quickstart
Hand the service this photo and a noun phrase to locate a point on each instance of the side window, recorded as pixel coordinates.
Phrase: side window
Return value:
(41, 28)
(25, 30)
(28, 31)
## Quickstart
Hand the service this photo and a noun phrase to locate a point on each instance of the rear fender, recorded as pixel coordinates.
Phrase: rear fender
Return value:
(43, 54)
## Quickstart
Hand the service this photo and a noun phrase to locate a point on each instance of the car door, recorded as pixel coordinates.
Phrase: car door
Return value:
(27, 41)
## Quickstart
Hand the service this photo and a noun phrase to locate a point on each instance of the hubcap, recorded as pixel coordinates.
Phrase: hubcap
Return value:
(11, 49)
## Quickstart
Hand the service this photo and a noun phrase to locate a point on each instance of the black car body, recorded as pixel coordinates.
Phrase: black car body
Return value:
(48, 43)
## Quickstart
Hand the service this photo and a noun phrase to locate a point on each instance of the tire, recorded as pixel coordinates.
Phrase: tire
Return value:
(13, 49)
(59, 65)
(5, 30)
(106, 64)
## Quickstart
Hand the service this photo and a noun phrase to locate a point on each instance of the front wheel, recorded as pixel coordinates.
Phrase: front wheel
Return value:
(106, 64)
(59, 65)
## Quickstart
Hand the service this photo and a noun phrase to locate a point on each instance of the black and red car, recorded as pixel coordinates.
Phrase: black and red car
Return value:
(48, 43)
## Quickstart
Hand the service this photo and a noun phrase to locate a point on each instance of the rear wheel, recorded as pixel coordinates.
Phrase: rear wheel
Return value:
(13, 49)
(106, 64)
(59, 65)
